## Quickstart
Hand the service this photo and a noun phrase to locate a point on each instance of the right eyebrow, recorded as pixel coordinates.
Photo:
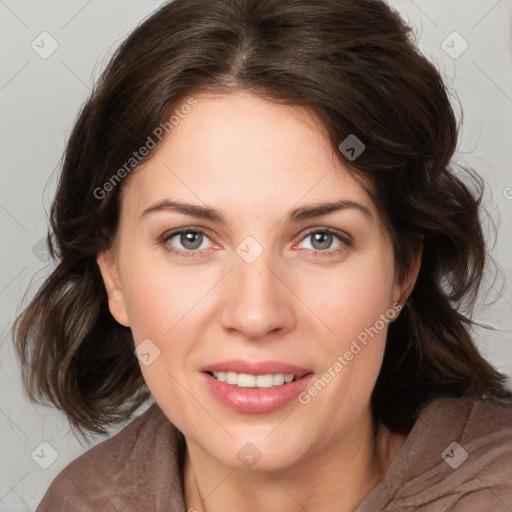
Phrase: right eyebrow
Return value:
(193, 210)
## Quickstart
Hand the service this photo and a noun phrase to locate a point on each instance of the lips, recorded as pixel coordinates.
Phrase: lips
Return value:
(246, 395)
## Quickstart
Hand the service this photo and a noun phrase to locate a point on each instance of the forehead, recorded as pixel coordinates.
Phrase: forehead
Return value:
(248, 153)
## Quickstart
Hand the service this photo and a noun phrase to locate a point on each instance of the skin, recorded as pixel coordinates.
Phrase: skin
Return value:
(254, 161)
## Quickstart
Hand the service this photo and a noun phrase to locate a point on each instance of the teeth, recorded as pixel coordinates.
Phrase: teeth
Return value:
(245, 380)
(278, 379)
(231, 377)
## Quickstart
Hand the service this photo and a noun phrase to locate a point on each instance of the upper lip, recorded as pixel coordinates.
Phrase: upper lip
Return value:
(256, 367)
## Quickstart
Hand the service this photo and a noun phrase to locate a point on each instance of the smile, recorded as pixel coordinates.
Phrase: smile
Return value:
(255, 387)
(246, 380)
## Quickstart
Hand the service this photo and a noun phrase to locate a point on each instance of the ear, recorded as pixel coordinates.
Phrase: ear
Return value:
(110, 273)
(404, 289)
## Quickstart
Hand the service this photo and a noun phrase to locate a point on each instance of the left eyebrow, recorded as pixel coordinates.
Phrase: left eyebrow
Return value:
(310, 211)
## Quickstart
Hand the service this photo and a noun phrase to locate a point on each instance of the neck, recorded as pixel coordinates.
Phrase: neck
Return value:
(333, 479)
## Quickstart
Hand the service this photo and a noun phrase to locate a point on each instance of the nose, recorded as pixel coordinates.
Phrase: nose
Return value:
(257, 300)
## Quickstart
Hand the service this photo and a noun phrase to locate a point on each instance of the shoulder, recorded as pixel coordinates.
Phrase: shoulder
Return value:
(489, 415)
(122, 472)
(457, 458)
(470, 465)
(479, 429)
(487, 452)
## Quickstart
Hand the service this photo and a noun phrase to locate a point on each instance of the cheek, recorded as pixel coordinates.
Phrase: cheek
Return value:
(353, 298)
(161, 307)
(148, 304)
(157, 295)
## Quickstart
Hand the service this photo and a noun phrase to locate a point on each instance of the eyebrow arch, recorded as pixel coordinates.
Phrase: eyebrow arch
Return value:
(193, 210)
(310, 211)
(295, 216)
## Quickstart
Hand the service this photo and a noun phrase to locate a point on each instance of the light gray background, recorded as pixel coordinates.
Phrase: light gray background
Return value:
(40, 98)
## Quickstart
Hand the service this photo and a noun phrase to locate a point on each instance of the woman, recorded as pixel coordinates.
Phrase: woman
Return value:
(259, 231)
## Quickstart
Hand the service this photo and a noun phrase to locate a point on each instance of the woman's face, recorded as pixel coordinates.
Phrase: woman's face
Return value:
(252, 283)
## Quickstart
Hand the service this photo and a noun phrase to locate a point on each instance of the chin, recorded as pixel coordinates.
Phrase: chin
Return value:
(256, 453)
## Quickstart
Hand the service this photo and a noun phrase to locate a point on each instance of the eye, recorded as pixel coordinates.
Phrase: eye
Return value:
(321, 240)
(191, 239)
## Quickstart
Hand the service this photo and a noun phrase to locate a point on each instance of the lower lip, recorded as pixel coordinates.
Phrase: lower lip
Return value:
(257, 400)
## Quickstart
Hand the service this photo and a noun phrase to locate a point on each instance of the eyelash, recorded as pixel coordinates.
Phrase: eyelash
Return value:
(343, 237)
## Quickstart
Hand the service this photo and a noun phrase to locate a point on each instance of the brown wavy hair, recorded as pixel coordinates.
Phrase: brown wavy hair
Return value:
(355, 65)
